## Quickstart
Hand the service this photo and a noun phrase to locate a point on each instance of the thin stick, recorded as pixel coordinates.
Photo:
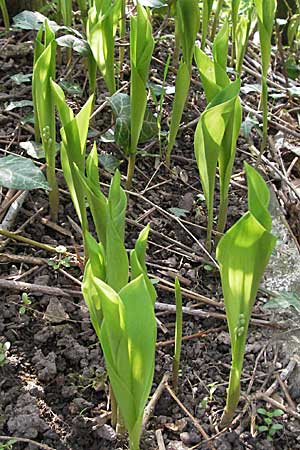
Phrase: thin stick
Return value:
(154, 399)
(27, 441)
(195, 421)
(31, 242)
(160, 440)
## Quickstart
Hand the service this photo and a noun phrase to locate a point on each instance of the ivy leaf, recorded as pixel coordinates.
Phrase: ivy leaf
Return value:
(20, 78)
(30, 20)
(19, 104)
(283, 301)
(109, 162)
(79, 46)
(120, 104)
(71, 88)
(178, 212)
(21, 173)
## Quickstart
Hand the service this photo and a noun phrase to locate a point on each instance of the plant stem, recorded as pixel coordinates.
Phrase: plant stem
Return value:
(233, 392)
(25, 240)
(130, 170)
(222, 216)
(54, 193)
(209, 229)
(264, 99)
(114, 408)
(216, 19)
(4, 14)
(178, 334)
(122, 34)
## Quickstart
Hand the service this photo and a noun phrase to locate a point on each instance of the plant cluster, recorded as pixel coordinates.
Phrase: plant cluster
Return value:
(116, 287)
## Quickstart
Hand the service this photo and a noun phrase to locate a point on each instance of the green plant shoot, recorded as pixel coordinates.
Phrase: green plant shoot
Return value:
(216, 18)
(73, 148)
(234, 15)
(265, 11)
(188, 19)
(5, 15)
(44, 109)
(101, 32)
(206, 12)
(215, 144)
(122, 312)
(243, 254)
(241, 39)
(213, 72)
(141, 48)
(178, 333)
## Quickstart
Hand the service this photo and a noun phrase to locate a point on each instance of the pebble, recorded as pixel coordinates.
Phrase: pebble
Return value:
(55, 312)
(176, 445)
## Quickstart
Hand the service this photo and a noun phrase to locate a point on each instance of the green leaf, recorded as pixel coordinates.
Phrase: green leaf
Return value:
(243, 254)
(258, 197)
(129, 347)
(262, 428)
(138, 263)
(277, 413)
(77, 44)
(265, 11)
(20, 173)
(33, 149)
(283, 301)
(71, 88)
(73, 149)
(109, 162)
(101, 38)
(120, 104)
(19, 104)
(141, 48)
(261, 411)
(188, 26)
(21, 78)
(29, 20)
(178, 212)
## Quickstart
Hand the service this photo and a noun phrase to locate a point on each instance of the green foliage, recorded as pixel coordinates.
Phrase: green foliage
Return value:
(101, 30)
(234, 15)
(73, 148)
(122, 312)
(243, 254)
(44, 110)
(206, 12)
(178, 333)
(213, 72)
(141, 48)
(20, 173)
(215, 144)
(5, 15)
(26, 301)
(121, 106)
(270, 426)
(188, 18)
(265, 16)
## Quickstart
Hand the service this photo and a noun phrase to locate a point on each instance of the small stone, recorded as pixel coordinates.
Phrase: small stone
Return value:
(55, 311)
(176, 445)
(107, 432)
(185, 437)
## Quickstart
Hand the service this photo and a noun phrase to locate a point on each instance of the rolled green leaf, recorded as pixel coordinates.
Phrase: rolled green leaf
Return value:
(206, 12)
(141, 48)
(188, 19)
(215, 141)
(178, 334)
(73, 149)
(138, 263)
(243, 254)
(101, 32)
(213, 72)
(44, 109)
(128, 336)
(5, 15)
(235, 4)
(265, 11)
